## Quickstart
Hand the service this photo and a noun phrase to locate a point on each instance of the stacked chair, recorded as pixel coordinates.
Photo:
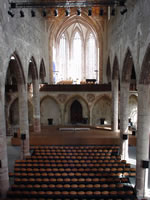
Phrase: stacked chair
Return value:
(72, 172)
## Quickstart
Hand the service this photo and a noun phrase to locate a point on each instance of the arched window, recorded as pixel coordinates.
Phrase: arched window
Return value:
(62, 72)
(91, 63)
(75, 71)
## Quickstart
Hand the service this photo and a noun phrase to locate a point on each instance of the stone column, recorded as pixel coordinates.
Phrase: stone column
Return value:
(51, 63)
(23, 119)
(4, 179)
(62, 115)
(143, 132)
(36, 107)
(115, 104)
(124, 99)
(90, 120)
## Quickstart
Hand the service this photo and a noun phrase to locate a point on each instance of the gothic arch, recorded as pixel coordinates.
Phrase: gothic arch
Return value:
(133, 109)
(58, 27)
(13, 112)
(42, 71)
(32, 70)
(15, 68)
(68, 104)
(128, 65)
(145, 69)
(50, 109)
(115, 72)
(101, 109)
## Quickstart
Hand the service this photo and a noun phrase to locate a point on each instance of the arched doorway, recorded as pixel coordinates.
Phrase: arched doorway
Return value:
(76, 112)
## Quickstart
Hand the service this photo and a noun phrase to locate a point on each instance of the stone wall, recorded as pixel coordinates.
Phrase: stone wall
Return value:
(130, 30)
(56, 106)
(26, 37)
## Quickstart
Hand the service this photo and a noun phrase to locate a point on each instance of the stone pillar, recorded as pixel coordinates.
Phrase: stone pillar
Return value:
(62, 115)
(143, 132)
(4, 179)
(36, 108)
(23, 119)
(51, 63)
(115, 104)
(124, 99)
(90, 120)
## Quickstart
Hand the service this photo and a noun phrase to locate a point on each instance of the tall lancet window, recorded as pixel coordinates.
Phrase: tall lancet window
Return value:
(76, 60)
(91, 62)
(62, 71)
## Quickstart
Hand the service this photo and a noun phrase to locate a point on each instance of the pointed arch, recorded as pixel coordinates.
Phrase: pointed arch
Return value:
(102, 109)
(42, 71)
(91, 49)
(67, 107)
(50, 110)
(15, 70)
(108, 71)
(76, 112)
(115, 72)
(32, 70)
(128, 65)
(145, 69)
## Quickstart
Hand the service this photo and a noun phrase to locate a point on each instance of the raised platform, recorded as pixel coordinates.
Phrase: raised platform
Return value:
(51, 135)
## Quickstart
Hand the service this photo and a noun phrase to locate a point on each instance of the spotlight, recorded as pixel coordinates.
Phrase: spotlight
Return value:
(67, 12)
(90, 12)
(21, 13)
(101, 12)
(78, 12)
(10, 13)
(13, 5)
(32, 13)
(44, 13)
(122, 12)
(55, 12)
(113, 12)
(121, 3)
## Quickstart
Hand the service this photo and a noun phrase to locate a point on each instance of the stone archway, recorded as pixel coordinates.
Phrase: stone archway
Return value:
(76, 112)
(15, 81)
(33, 82)
(42, 72)
(128, 66)
(50, 111)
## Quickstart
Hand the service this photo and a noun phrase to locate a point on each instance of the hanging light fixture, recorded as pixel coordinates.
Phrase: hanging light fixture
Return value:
(67, 12)
(32, 13)
(21, 13)
(90, 12)
(79, 12)
(55, 12)
(10, 13)
(101, 12)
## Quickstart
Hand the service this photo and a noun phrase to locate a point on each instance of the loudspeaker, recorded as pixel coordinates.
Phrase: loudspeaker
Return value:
(134, 132)
(145, 164)
(23, 136)
(125, 137)
(15, 135)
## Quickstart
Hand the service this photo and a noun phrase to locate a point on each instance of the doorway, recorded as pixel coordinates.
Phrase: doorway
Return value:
(76, 112)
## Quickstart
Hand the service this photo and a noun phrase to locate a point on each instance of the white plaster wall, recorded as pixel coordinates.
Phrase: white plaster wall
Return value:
(102, 109)
(50, 109)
